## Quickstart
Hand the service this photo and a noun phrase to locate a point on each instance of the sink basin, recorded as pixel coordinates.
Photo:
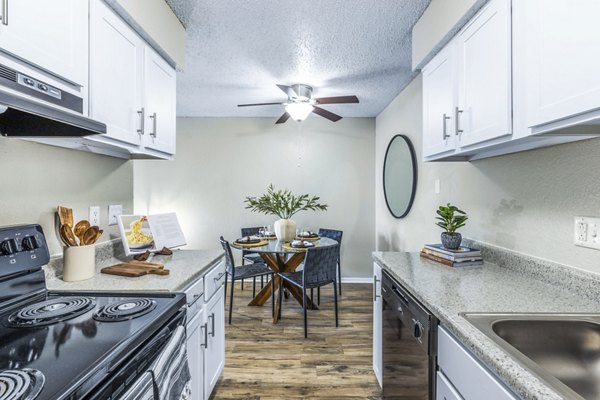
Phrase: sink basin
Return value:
(562, 349)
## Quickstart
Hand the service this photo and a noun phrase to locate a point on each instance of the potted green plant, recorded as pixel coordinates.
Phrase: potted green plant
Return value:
(450, 218)
(285, 205)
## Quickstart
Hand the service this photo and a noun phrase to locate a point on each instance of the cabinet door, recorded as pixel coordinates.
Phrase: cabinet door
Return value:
(377, 327)
(438, 103)
(484, 109)
(214, 356)
(159, 92)
(52, 35)
(562, 58)
(196, 339)
(116, 68)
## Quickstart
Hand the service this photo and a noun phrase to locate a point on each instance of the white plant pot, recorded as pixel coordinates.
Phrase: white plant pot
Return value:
(285, 230)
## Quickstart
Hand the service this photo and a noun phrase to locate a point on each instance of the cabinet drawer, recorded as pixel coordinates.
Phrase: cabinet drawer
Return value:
(445, 390)
(214, 280)
(194, 297)
(468, 376)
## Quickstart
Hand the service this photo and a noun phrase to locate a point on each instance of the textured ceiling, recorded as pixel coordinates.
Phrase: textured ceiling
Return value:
(237, 50)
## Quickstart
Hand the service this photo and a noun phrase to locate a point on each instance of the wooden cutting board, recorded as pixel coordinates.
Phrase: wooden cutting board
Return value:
(135, 269)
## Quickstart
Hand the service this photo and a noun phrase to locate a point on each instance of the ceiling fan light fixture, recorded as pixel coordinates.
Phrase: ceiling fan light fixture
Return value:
(299, 111)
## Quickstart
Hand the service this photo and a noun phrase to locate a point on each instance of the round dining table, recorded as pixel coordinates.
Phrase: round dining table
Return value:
(281, 257)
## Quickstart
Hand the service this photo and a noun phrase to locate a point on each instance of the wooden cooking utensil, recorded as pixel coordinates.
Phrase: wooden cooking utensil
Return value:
(91, 235)
(67, 236)
(80, 229)
(65, 215)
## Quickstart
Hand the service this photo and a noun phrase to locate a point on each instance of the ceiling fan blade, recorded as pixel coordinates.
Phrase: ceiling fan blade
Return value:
(260, 104)
(284, 89)
(337, 100)
(283, 118)
(326, 114)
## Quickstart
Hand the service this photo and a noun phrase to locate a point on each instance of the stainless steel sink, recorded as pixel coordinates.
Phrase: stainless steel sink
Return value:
(562, 349)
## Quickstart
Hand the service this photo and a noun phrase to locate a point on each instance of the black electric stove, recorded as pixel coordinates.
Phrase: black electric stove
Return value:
(72, 345)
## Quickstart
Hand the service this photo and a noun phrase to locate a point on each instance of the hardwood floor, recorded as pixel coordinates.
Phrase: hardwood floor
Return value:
(267, 362)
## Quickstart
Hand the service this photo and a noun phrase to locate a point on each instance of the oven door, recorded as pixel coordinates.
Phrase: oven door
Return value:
(170, 370)
(405, 363)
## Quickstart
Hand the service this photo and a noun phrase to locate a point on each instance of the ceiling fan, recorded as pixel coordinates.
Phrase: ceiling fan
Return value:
(300, 103)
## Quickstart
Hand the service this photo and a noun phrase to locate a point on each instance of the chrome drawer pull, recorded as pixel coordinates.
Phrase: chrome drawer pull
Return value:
(196, 298)
(142, 114)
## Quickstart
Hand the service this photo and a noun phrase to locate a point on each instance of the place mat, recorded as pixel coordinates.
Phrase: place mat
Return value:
(268, 237)
(288, 246)
(260, 243)
(310, 238)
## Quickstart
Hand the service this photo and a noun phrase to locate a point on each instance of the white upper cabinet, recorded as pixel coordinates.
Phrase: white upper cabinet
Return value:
(160, 100)
(439, 103)
(563, 61)
(52, 35)
(116, 75)
(484, 76)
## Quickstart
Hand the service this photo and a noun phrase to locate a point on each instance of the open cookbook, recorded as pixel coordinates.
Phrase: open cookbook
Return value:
(141, 233)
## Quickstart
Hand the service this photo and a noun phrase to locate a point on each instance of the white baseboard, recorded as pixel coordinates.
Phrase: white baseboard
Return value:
(350, 279)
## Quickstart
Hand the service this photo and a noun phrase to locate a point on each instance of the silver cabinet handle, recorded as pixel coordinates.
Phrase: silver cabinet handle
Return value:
(212, 319)
(375, 295)
(196, 298)
(218, 277)
(4, 12)
(445, 127)
(457, 111)
(142, 114)
(205, 344)
(153, 118)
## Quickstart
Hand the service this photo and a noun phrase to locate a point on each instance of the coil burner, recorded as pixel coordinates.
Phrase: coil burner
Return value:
(124, 310)
(20, 384)
(51, 311)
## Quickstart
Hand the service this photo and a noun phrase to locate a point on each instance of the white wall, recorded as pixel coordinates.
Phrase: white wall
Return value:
(524, 201)
(220, 161)
(36, 178)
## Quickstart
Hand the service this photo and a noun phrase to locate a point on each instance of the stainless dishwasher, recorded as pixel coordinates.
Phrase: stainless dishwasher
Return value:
(409, 344)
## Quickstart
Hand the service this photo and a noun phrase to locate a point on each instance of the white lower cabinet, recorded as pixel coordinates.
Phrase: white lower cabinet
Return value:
(444, 389)
(205, 335)
(214, 353)
(377, 324)
(466, 377)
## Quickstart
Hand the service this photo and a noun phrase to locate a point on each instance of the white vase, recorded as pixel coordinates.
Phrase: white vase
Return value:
(285, 230)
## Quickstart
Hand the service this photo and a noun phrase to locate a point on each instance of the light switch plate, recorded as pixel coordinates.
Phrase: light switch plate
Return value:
(587, 232)
(94, 216)
(114, 210)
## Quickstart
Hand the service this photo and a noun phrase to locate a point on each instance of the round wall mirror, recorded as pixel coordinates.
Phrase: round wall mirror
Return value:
(399, 176)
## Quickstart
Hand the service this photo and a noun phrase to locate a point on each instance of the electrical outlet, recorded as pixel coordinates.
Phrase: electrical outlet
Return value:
(94, 216)
(114, 211)
(437, 187)
(587, 231)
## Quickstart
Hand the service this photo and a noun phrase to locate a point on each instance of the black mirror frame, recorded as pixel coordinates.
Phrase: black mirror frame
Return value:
(414, 165)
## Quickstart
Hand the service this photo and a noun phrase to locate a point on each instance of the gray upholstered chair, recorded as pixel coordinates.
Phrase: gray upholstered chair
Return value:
(319, 270)
(248, 256)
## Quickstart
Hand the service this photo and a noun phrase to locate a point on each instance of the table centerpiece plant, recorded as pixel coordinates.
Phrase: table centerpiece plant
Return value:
(450, 218)
(285, 205)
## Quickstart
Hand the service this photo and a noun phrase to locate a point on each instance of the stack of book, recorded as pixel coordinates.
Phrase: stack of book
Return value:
(461, 257)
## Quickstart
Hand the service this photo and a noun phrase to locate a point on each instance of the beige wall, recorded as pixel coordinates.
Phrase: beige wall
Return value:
(220, 161)
(524, 201)
(36, 178)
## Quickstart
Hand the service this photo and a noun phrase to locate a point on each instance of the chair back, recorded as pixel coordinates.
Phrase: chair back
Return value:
(331, 234)
(320, 265)
(250, 232)
(229, 263)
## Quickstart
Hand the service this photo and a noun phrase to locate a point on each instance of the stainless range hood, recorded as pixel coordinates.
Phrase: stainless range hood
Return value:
(30, 107)
(26, 118)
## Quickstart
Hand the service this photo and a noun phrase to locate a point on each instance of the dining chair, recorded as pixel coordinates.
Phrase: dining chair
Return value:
(250, 257)
(337, 236)
(242, 272)
(319, 270)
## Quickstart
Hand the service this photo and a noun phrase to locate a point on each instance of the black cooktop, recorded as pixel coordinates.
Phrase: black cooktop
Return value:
(83, 348)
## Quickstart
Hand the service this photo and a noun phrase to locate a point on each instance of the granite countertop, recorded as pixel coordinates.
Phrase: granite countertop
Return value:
(185, 267)
(494, 287)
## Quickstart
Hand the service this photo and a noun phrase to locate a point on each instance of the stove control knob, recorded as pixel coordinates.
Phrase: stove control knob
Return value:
(8, 247)
(29, 243)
